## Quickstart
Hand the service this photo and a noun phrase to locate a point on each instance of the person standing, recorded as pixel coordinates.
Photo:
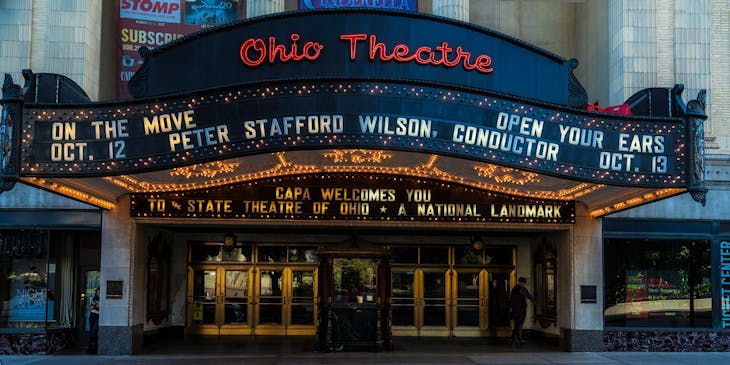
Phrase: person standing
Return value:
(518, 307)
(94, 324)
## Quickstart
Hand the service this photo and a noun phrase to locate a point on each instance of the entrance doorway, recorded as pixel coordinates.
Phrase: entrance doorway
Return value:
(354, 278)
(89, 283)
(437, 292)
(219, 300)
(284, 301)
(271, 290)
(354, 312)
(367, 295)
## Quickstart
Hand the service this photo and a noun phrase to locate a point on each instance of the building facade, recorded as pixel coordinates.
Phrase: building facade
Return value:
(268, 268)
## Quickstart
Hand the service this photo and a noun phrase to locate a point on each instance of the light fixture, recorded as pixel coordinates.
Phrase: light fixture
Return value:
(229, 240)
(477, 242)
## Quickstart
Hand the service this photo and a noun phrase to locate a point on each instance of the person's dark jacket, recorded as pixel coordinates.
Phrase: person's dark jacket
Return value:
(518, 301)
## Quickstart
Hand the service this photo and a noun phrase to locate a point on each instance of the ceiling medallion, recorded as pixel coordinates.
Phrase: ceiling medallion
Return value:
(506, 175)
(358, 156)
(205, 170)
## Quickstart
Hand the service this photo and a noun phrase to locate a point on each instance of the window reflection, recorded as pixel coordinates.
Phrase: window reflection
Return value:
(272, 254)
(354, 280)
(302, 254)
(658, 283)
(37, 271)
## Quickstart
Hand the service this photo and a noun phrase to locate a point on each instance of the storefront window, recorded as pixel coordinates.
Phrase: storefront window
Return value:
(37, 279)
(657, 283)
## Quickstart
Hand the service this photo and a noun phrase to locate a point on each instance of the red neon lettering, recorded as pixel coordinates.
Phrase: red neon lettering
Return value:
(353, 38)
(437, 56)
(259, 46)
(254, 51)
(419, 59)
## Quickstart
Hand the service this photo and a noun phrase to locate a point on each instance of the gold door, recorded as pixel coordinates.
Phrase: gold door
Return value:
(439, 302)
(285, 300)
(218, 300)
(406, 296)
(468, 302)
(269, 301)
(300, 303)
(235, 302)
(434, 302)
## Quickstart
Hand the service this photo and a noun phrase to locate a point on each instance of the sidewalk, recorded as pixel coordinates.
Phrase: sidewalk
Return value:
(293, 350)
(591, 358)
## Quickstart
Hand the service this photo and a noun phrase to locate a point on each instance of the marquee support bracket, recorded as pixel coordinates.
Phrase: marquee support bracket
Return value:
(695, 117)
(11, 106)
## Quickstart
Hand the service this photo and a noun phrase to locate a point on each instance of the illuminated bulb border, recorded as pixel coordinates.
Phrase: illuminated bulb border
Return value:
(646, 198)
(71, 193)
(286, 168)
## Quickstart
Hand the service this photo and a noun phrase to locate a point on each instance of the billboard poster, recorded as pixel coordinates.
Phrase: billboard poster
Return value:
(167, 11)
(152, 23)
(210, 12)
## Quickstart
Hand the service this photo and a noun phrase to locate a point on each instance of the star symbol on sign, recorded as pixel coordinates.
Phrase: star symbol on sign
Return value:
(383, 209)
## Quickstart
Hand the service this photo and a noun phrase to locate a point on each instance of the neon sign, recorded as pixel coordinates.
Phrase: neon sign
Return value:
(309, 51)
(437, 56)
(255, 51)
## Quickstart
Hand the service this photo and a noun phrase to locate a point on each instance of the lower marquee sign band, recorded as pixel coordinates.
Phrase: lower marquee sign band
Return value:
(352, 197)
(131, 137)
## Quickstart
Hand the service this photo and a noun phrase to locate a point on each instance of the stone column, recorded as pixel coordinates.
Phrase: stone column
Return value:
(665, 43)
(456, 9)
(121, 319)
(39, 47)
(263, 7)
(580, 262)
(720, 70)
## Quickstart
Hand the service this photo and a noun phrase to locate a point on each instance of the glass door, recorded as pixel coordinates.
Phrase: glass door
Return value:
(406, 294)
(300, 304)
(468, 300)
(284, 301)
(435, 304)
(202, 301)
(218, 300)
(269, 301)
(498, 315)
(439, 302)
(90, 282)
(354, 311)
(235, 300)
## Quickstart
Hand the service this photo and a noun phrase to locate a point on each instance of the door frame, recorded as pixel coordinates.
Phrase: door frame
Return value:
(219, 327)
(82, 300)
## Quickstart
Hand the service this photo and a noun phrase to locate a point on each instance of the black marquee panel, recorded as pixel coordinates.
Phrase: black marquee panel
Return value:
(142, 136)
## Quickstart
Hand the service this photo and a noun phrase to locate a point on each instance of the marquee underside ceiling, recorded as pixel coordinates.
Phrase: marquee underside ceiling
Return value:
(598, 199)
